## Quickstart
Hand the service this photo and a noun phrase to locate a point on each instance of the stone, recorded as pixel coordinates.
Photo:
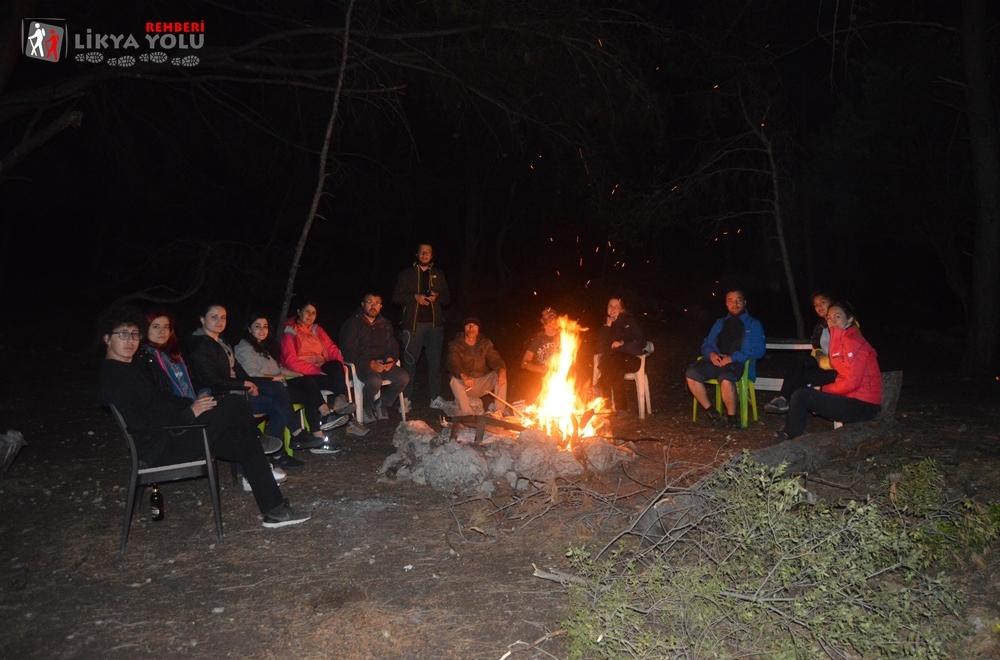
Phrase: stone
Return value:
(454, 467)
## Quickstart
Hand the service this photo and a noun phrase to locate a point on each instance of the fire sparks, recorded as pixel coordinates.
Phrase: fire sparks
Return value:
(560, 410)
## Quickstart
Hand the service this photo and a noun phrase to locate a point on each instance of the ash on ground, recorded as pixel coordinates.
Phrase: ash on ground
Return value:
(524, 460)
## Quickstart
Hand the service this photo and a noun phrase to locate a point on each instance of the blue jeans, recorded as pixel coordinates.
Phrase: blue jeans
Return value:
(426, 336)
(274, 401)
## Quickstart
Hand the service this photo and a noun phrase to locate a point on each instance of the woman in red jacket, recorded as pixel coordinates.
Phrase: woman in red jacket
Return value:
(856, 394)
(308, 350)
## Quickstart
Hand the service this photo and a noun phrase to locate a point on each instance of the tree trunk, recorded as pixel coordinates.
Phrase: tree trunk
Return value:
(779, 227)
(815, 451)
(286, 303)
(984, 311)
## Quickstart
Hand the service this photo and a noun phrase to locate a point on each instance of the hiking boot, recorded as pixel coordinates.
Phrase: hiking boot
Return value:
(271, 444)
(304, 441)
(279, 478)
(341, 404)
(405, 406)
(438, 403)
(733, 423)
(285, 462)
(356, 429)
(333, 421)
(777, 406)
(327, 447)
(368, 417)
(381, 414)
(283, 515)
(712, 415)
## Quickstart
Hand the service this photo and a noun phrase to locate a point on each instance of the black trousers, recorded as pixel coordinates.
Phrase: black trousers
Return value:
(806, 373)
(614, 366)
(232, 437)
(306, 392)
(834, 407)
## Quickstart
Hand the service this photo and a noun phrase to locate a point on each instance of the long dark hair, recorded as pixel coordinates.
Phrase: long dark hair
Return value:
(269, 347)
(172, 347)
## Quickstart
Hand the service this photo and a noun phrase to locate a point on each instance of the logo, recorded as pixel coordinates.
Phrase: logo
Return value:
(44, 38)
(49, 39)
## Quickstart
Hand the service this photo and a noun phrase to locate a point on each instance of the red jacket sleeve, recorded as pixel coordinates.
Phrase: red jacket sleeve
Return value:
(290, 357)
(332, 352)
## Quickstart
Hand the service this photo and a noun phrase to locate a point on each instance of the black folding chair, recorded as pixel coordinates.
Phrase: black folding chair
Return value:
(142, 476)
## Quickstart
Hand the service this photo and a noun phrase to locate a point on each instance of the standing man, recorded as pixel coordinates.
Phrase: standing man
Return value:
(475, 367)
(422, 291)
(732, 341)
(367, 340)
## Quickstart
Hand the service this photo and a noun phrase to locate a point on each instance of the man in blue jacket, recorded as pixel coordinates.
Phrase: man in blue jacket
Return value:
(732, 341)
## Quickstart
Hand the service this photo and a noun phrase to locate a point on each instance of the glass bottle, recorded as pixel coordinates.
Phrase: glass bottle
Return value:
(156, 503)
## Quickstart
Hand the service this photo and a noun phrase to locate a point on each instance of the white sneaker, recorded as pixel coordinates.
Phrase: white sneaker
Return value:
(279, 478)
(405, 407)
(438, 403)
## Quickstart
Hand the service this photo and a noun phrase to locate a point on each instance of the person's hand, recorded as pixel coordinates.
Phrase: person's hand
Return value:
(377, 366)
(502, 377)
(388, 363)
(422, 299)
(715, 359)
(278, 379)
(617, 344)
(251, 388)
(609, 321)
(203, 403)
(432, 296)
(467, 381)
(725, 360)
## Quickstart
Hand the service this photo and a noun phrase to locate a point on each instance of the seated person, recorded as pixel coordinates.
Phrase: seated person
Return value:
(255, 354)
(306, 349)
(733, 340)
(214, 367)
(813, 369)
(540, 350)
(619, 343)
(476, 368)
(855, 395)
(370, 345)
(161, 351)
(163, 347)
(146, 402)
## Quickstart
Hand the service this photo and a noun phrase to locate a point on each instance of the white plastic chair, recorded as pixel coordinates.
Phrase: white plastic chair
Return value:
(638, 377)
(356, 393)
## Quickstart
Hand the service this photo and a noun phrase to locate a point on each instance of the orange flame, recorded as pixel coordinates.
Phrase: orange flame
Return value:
(559, 407)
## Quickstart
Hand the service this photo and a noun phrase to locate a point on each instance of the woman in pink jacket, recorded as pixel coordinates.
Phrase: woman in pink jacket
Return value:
(308, 350)
(856, 394)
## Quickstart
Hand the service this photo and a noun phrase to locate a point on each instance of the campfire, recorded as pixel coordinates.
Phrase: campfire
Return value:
(561, 411)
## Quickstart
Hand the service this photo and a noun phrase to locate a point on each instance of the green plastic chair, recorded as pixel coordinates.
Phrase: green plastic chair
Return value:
(745, 389)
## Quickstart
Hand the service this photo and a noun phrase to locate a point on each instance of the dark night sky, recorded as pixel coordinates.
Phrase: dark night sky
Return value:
(103, 210)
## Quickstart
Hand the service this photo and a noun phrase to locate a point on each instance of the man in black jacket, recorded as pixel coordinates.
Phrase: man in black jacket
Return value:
(475, 367)
(368, 342)
(147, 406)
(422, 290)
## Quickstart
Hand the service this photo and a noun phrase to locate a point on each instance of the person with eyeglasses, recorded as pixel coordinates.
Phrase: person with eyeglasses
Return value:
(369, 343)
(146, 402)
(422, 291)
(537, 354)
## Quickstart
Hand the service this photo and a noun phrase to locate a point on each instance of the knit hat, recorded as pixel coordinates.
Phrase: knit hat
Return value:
(472, 319)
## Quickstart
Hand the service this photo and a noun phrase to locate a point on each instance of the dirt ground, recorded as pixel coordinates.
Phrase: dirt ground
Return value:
(383, 569)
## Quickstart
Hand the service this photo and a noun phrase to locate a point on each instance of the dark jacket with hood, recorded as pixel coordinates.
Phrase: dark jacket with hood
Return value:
(406, 288)
(473, 361)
